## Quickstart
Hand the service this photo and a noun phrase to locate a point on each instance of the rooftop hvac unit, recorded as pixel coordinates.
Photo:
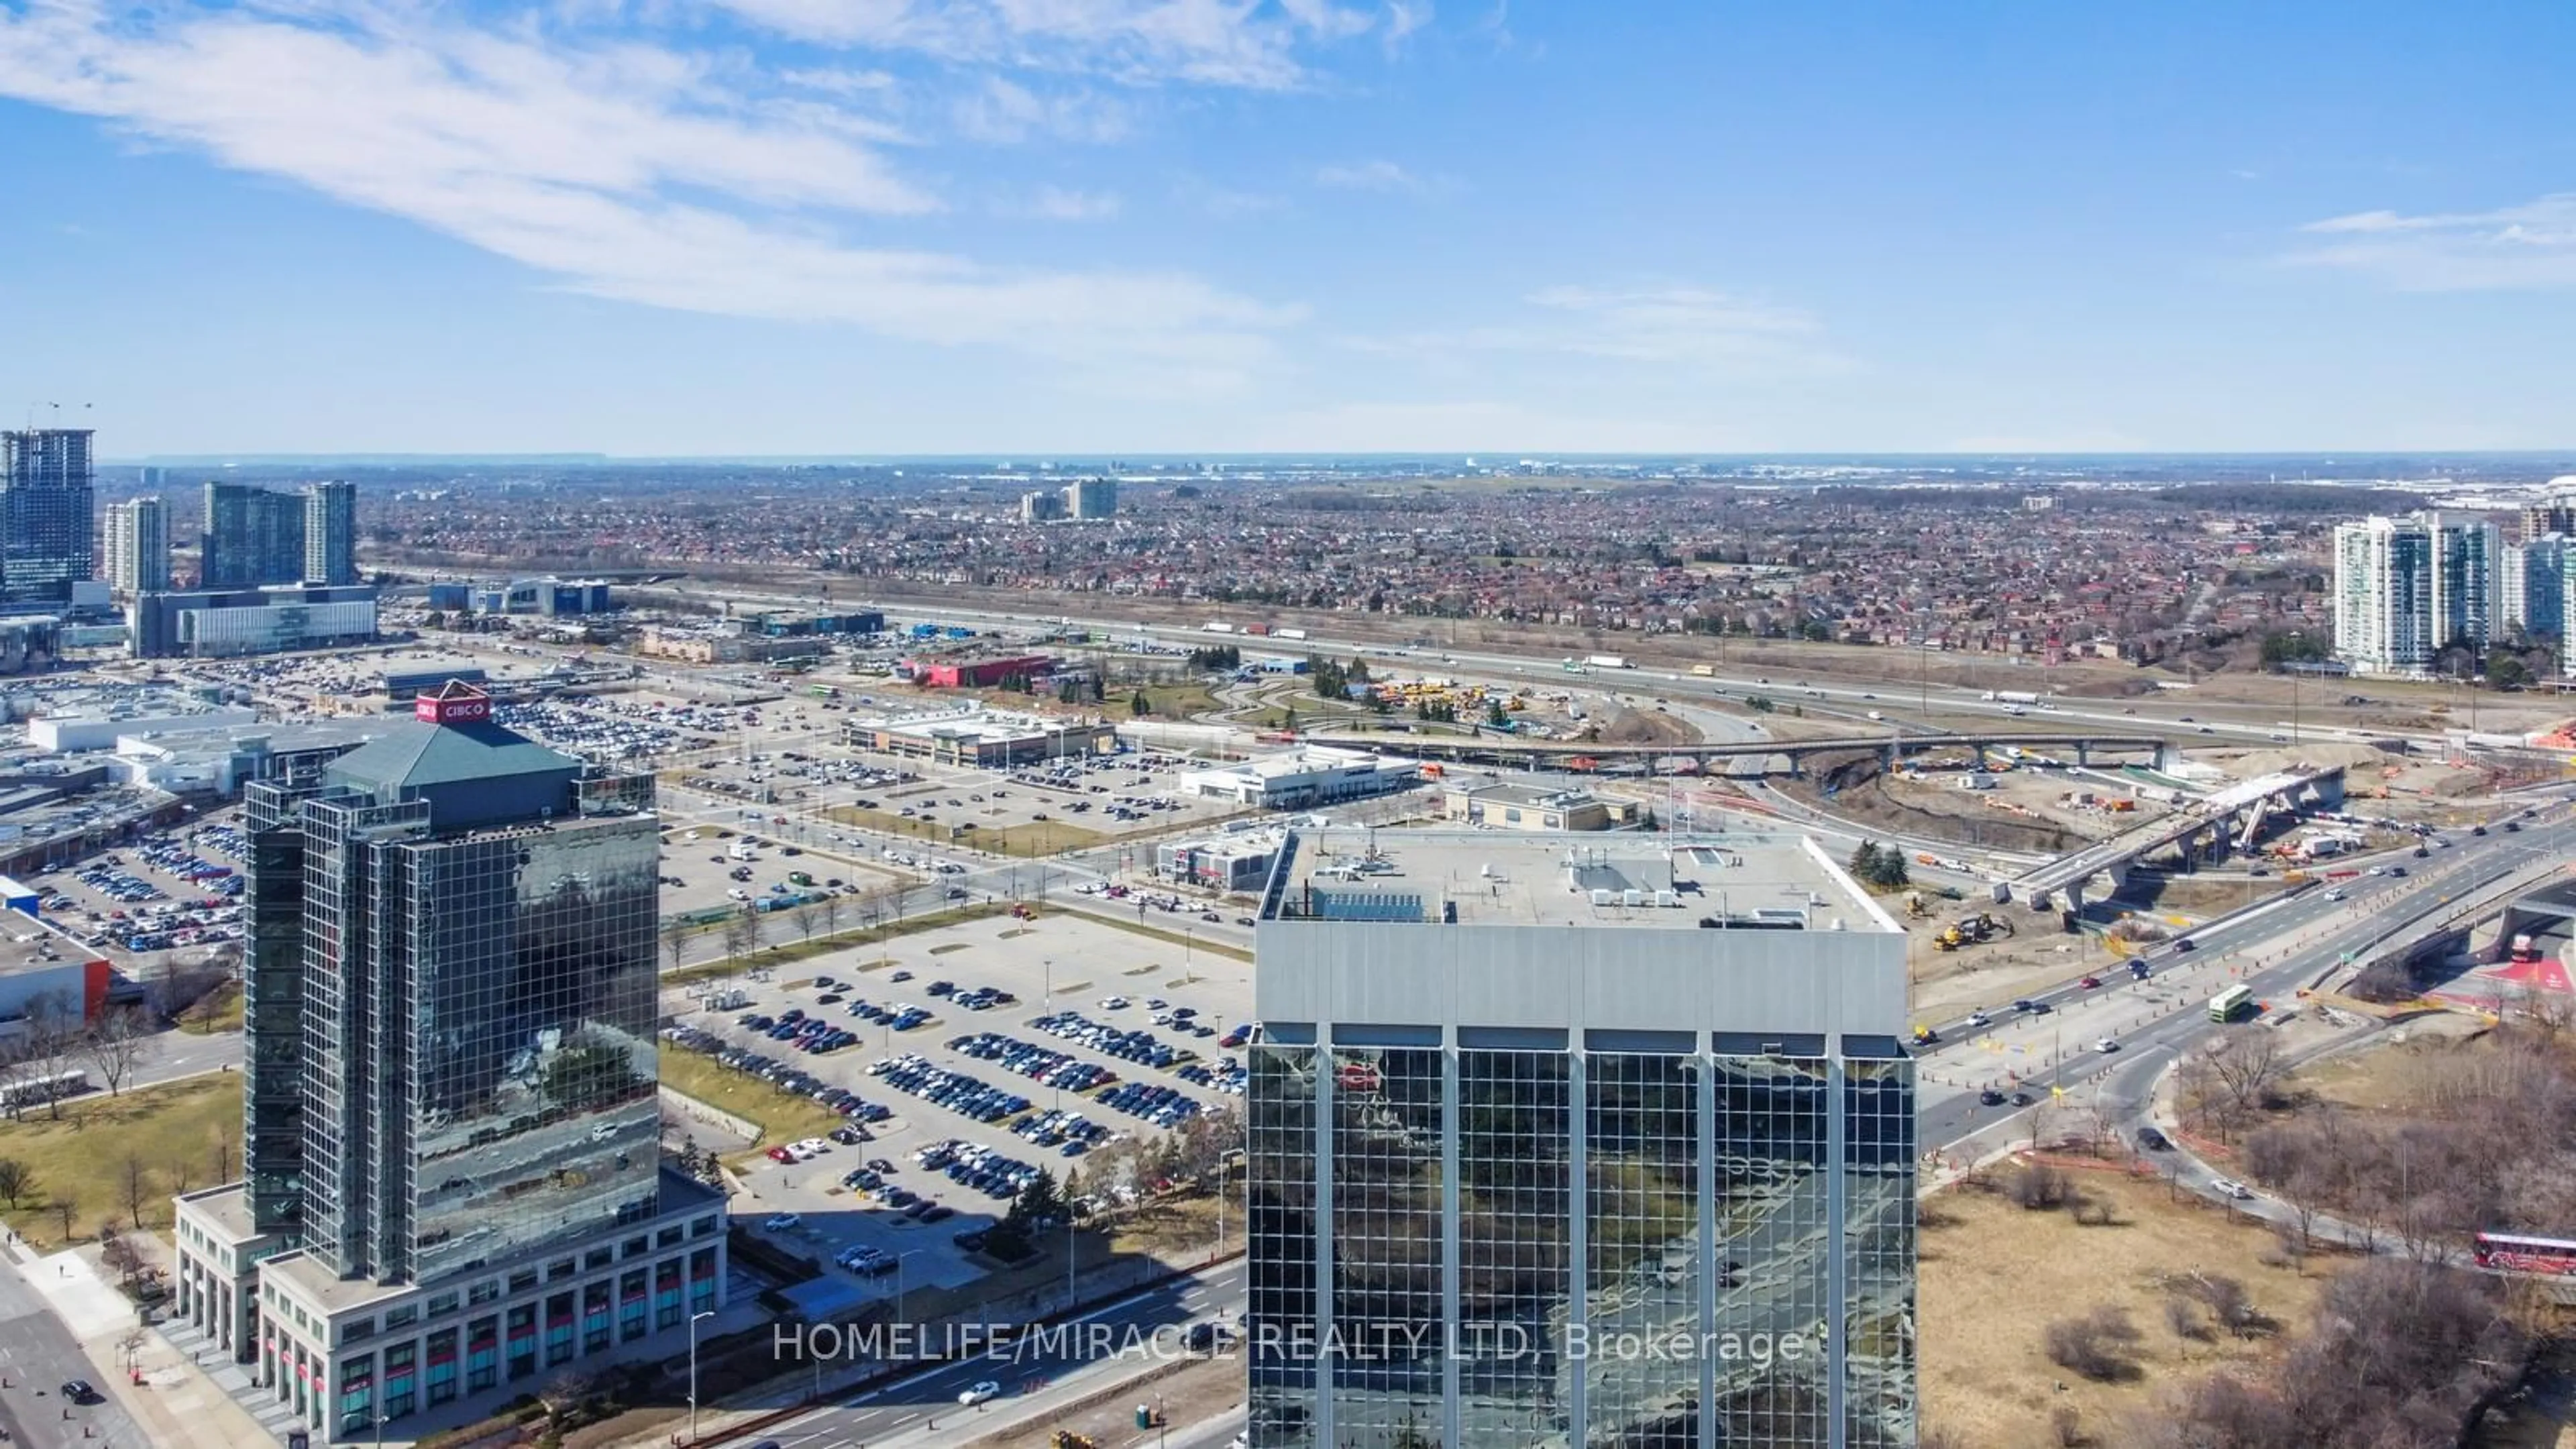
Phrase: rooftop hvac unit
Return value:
(1668, 898)
(1838, 925)
(1601, 898)
(1632, 898)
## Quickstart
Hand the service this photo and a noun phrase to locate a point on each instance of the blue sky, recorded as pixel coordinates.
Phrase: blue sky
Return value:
(1016, 227)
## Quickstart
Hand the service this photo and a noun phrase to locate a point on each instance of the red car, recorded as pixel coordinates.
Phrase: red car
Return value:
(2089, 982)
(781, 1154)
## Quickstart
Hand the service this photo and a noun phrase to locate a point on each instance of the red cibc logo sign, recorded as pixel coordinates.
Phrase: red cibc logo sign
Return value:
(459, 709)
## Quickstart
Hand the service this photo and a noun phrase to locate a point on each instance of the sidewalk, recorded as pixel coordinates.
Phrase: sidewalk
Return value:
(168, 1396)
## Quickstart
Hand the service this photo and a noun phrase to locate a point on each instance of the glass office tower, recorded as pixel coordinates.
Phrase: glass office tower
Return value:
(451, 1002)
(47, 532)
(1586, 1150)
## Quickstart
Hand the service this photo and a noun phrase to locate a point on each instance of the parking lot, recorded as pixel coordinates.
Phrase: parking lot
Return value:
(971, 1068)
(1045, 807)
(168, 891)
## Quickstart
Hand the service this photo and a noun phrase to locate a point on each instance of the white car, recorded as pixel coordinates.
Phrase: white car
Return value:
(979, 1393)
(2336, 894)
(784, 1222)
(2106, 1044)
(1979, 1018)
(1113, 1003)
(2230, 1187)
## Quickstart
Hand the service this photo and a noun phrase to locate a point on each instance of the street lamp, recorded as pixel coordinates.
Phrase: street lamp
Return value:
(693, 1370)
(898, 1279)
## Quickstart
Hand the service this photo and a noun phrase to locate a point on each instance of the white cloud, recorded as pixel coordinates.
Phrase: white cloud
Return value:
(2527, 247)
(1004, 112)
(1055, 203)
(1208, 42)
(1402, 19)
(619, 170)
(1679, 328)
(1380, 176)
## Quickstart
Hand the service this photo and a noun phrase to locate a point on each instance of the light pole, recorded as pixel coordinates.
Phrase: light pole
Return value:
(693, 1370)
(898, 1279)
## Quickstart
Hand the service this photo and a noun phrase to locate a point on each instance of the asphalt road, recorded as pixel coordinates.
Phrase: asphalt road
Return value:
(37, 1353)
(2324, 930)
(1057, 1367)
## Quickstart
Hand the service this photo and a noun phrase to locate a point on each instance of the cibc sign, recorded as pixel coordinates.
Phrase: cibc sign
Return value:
(454, 709)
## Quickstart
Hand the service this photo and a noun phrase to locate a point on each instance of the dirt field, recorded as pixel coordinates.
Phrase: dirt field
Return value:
(2394, 1075)
(1995, 1275)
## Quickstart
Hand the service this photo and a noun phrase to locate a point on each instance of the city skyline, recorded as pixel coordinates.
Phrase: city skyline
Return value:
(1109, 227)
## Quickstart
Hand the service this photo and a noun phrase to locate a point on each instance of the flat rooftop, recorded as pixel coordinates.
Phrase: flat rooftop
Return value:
(29, 944)
(1740, 881)
(979, 726)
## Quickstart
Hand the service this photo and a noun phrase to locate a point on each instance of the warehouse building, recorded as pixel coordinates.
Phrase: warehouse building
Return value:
(221, 623)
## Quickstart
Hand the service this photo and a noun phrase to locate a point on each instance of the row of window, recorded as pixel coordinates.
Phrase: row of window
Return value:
(489, 1289)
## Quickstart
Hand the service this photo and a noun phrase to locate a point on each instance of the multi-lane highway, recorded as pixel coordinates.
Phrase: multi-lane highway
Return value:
(2275, 948)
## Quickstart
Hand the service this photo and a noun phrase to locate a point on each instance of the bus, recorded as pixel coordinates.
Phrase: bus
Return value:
(2513, 1253)
(36, 1091)
(2235, 1001)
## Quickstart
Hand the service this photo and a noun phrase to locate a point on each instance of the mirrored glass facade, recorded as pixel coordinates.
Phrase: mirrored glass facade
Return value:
(1686, 1241)
(451, 1055)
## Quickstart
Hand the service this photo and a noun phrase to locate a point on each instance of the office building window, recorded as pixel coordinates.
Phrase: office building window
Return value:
(1515, 1277)
(1643, 1255)
(1389, 1207)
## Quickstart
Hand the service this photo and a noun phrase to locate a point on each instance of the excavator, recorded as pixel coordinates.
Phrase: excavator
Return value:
(1970, 929)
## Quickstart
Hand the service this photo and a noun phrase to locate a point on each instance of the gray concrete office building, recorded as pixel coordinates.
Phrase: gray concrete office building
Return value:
(453, 1179)
(1574, 1140)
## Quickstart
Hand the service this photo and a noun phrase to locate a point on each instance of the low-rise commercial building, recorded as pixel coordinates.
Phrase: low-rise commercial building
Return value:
(1237, 861)
(806, 626)
(219, 762)
(979, 673)
(222, 623)
(1503, 805)
(988, 738)
(716, 646)
(140, 713)
(1313, 775)
(43, 970)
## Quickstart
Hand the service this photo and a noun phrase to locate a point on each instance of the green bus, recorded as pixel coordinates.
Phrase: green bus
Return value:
(2235, 1001)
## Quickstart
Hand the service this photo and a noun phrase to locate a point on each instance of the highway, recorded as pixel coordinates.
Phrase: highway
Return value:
(2278, 947)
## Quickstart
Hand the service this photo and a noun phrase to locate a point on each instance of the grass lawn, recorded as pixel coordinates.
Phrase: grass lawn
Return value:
(1993, 1276)
(1168, 701)
(782, 1116)
(220, 1011)
(180, 1136)
(1037, 837)
(1191, 943)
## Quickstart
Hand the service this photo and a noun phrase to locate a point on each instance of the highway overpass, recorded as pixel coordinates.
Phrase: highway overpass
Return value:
(1502, 749)
(2205, 830)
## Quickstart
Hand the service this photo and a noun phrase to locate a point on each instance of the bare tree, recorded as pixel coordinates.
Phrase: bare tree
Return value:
(52, 1039)
(65, 1206)
(223, 1145)
(2248, 1067)
(17, 1181)
(117, 1252)
(831, 907)
(737, 937)
(115, 1045)
(807, 914)
(2102, 1344)
(137, 1183)
(676, 937)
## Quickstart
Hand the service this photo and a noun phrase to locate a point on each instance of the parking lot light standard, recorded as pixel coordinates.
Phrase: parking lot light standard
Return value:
(693, 1370)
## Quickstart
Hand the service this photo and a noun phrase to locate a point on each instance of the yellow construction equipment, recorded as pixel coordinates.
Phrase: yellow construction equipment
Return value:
(1970, 929)
(1914, 907)
(1067, 1439)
